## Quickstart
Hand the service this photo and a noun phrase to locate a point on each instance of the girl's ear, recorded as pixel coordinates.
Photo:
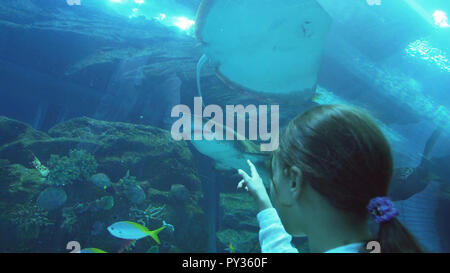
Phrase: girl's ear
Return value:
(296, 180)
(295, 172)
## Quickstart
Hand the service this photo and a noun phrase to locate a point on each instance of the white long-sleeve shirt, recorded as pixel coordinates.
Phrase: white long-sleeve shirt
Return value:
(274, 238)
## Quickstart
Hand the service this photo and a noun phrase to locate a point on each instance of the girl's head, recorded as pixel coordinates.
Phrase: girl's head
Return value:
(334, 158)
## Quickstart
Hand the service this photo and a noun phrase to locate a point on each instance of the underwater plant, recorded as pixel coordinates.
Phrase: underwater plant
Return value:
(78, 166)
(29, 218)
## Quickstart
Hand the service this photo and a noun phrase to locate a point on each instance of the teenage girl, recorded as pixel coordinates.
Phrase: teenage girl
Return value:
(330, 173)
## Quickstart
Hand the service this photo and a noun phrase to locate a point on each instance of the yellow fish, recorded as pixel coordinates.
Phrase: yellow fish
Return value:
(230, 248)
(92, 250)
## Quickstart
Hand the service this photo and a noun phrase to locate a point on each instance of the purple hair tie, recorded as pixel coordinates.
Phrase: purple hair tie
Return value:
(382, 208)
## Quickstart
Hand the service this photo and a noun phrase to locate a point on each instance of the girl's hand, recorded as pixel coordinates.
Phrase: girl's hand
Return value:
(255, 186)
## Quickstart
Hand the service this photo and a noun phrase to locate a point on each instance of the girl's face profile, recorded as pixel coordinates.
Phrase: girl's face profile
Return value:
(282, 199)
(274, 175)
(278, 186)
(280, 181)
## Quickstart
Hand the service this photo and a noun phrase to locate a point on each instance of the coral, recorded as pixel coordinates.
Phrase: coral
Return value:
(107, 202)
(144, 217)
(118, 147)
(29, 219)
(70, 219)
(158, 196)
(243, 241)
(127, 180)
(239, 226)
(127, 246)
(78, 166)
(129, 186)
(179, 194)
(153, 249)
(104, 203)
(20, 183)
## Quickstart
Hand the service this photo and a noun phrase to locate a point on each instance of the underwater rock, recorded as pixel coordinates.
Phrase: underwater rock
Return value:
(179, 194)
(81, 208)
(3, 173)
(15, 141)
(189, 234)
(105, 203)
(243, 241)
(101, 180)
(158, 196)
(69, 219)
(52, 198)
(97, 228)
(19, 183)
(150, 153)
(129, 186)
(135, 194)
(13, 130)
(240, 208)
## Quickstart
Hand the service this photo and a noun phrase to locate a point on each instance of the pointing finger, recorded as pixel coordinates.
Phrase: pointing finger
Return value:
(252, 168)
(244, 175)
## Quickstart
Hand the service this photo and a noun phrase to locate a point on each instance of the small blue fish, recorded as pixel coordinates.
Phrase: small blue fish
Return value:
(170, 227)
(133, 231)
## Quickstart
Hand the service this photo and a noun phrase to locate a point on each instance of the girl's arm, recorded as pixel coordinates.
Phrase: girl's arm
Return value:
(272, 235)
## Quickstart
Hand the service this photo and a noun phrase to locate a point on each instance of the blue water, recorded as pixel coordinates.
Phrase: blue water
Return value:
(129, 62)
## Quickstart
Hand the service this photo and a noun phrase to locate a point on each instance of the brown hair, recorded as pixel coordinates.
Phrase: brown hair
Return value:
(345, 157)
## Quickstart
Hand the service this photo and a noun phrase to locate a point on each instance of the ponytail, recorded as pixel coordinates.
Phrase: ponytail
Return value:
(395, 238)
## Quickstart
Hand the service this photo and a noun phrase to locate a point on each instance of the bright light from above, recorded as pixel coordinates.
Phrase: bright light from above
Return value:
(149, 10)
(160, 17)
(425, 51)
(440, 18)
(183, 23)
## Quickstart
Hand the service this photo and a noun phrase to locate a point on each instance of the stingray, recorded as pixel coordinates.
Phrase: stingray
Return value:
(231, 154)
(418, 214)
(268, 47)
